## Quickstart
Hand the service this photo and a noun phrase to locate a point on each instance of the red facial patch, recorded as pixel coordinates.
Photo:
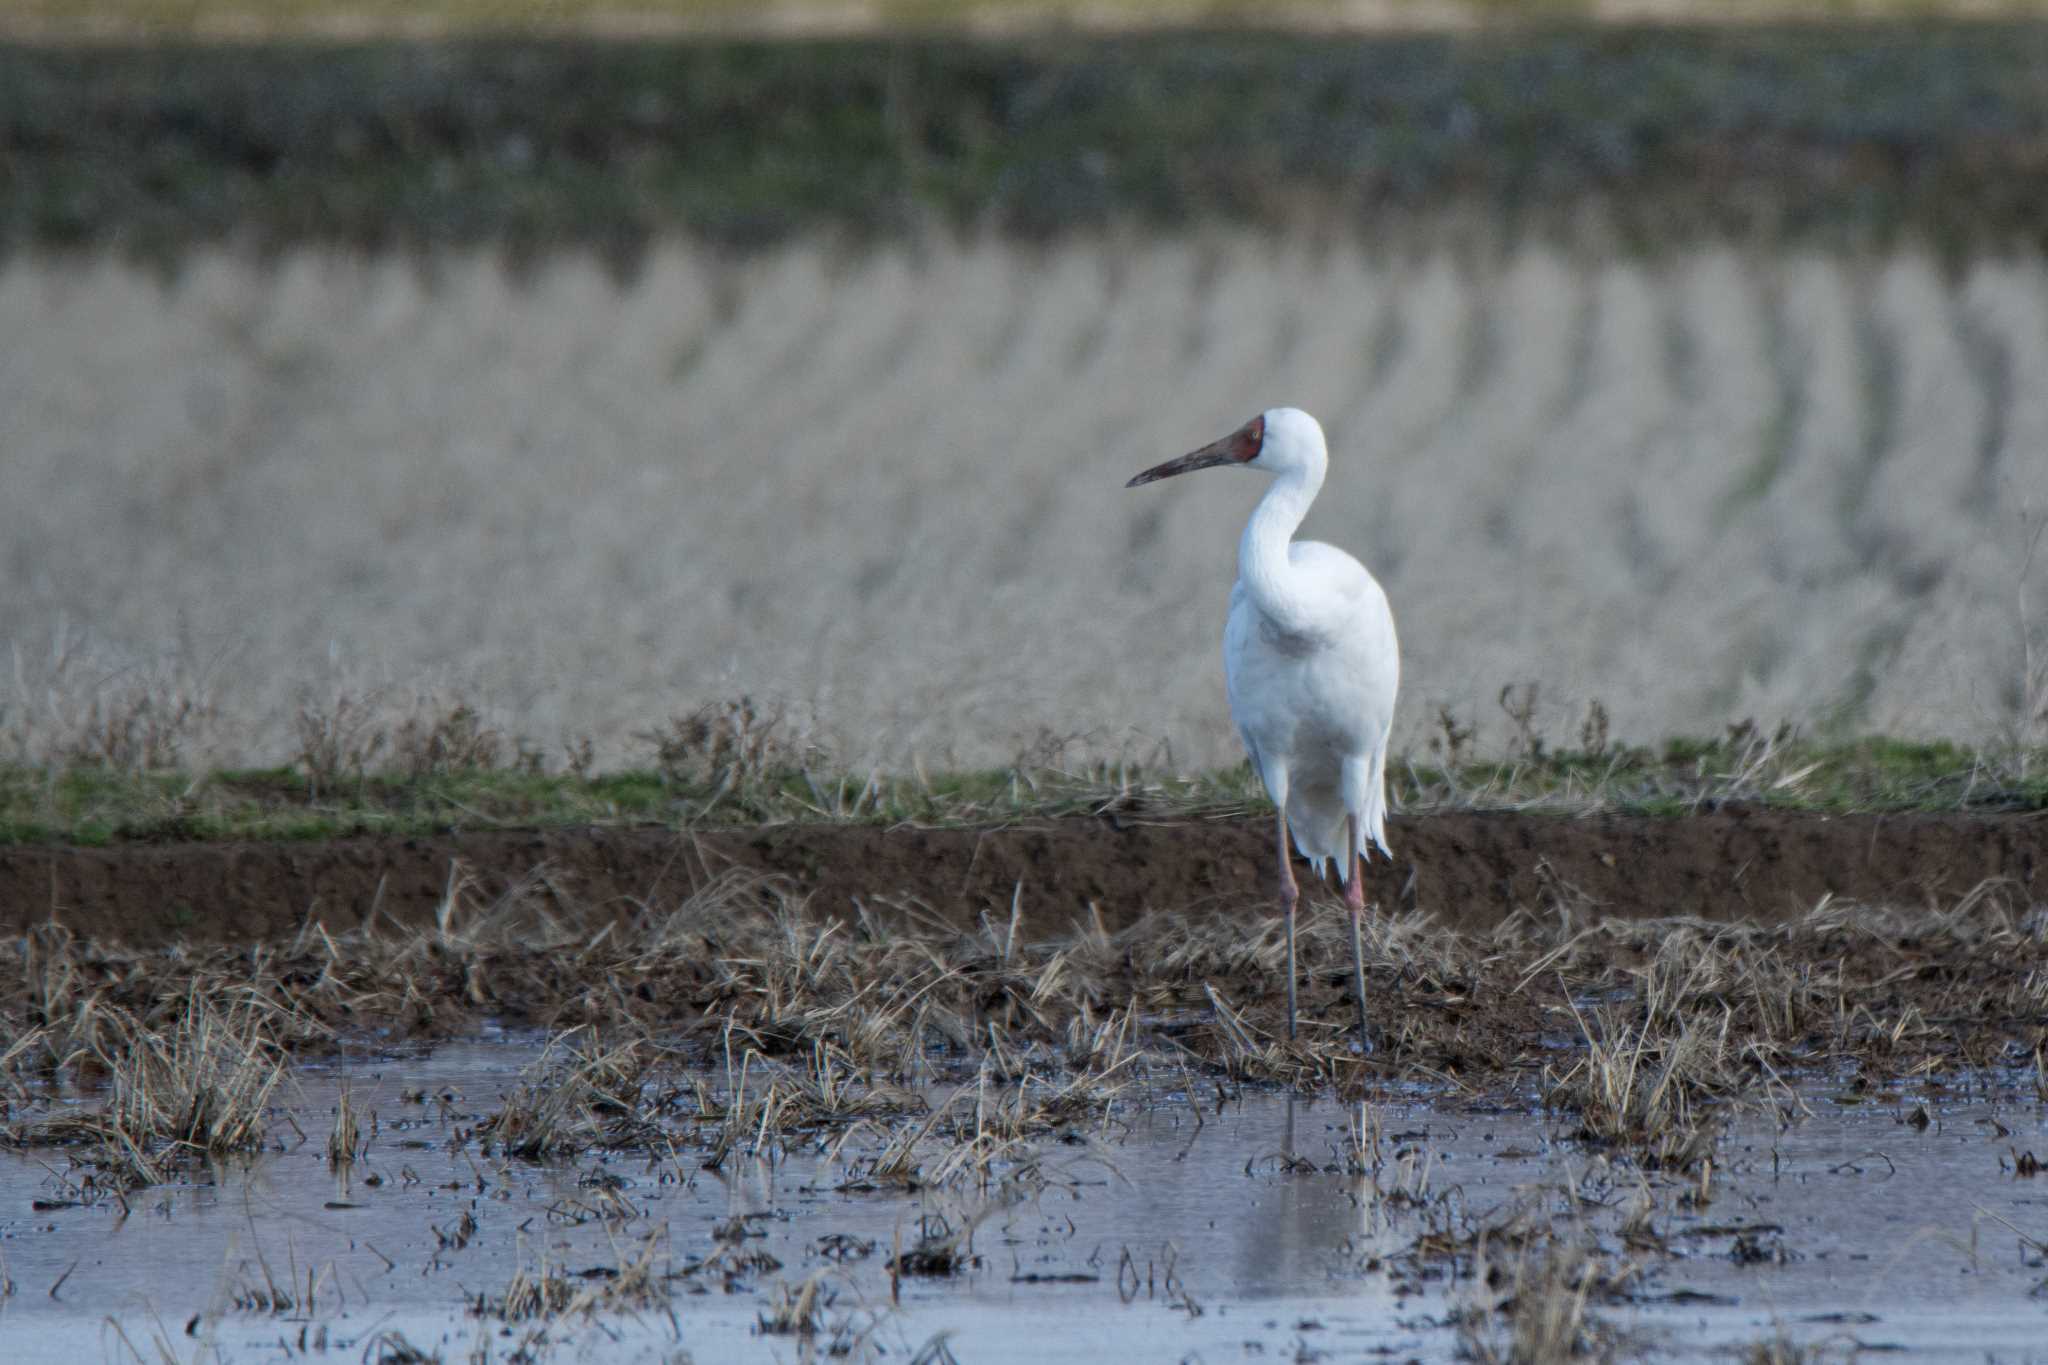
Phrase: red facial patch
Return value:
(1252, 438)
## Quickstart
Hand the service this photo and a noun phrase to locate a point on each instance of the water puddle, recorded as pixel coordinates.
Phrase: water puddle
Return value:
(1180, 1227)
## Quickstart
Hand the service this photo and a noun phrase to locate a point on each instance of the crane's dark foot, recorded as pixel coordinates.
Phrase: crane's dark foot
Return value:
(1368, 1037)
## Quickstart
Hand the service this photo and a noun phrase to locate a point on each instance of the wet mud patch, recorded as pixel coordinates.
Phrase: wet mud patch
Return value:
(1583, 1007)
(1469, 869)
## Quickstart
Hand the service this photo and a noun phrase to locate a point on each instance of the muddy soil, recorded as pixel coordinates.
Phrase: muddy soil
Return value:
(1470, 869)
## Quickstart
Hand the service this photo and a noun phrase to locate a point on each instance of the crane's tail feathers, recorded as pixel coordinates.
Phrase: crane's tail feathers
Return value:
(1374, 834)
(1375, 820)
(1318, 816)
(1318, 827)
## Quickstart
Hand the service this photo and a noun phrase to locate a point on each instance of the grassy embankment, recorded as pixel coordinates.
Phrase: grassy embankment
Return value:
(722, 767)
(1610, 136)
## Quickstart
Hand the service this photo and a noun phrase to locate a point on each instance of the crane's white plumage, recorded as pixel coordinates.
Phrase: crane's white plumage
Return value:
(1310, 659)
(1311, 663)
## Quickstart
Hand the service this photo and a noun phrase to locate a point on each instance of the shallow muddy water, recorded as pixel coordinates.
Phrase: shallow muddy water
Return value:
(1209, 1227)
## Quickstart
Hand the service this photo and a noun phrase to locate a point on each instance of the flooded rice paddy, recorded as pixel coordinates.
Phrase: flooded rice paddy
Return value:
(741, 1128)
(1189, 1218)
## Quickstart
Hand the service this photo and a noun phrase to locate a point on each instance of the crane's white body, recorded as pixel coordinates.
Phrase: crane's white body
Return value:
(1312, 665)
(1312, 693)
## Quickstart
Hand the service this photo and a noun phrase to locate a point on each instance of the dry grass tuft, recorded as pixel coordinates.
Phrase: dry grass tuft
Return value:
(806, 1310)
(798, 1310)
(197, 1087)
(204, 1082)
(539, 1294)
(1780, 1349)
(454, 739)
(1535, 1305)
(532, 1294)
(345, 1142)
(943, 1246)
(726, 746)
(347, 736)
(337, 741)
(392, 1348)
(258, 1289)
(104, 711)
(1650, 1093)
(578, 1094)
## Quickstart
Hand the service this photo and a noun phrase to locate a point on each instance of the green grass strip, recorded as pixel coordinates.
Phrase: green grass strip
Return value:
(98, 805)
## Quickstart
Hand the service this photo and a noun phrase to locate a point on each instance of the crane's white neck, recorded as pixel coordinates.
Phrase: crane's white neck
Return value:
(1268, 574)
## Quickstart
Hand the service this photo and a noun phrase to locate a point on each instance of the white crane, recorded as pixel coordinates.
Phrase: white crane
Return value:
(1311, 665)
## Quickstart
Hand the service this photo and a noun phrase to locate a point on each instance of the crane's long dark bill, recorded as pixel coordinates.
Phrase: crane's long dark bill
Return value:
(1224, 451)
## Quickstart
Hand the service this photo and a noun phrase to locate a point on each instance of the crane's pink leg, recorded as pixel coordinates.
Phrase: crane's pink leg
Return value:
(1354, 901)
(1290, 895)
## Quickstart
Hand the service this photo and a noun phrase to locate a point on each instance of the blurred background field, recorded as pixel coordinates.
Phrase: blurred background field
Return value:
(1688, 371)
(241, 18)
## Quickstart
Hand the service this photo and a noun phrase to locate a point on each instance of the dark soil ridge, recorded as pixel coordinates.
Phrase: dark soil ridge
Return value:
(1469, 868)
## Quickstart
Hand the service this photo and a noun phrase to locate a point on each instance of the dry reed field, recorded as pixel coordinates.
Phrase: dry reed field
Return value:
(879, 489)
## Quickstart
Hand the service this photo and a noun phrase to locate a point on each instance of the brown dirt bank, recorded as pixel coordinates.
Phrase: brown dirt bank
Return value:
(1469, 868)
